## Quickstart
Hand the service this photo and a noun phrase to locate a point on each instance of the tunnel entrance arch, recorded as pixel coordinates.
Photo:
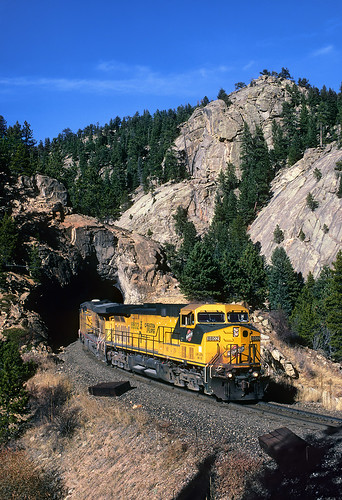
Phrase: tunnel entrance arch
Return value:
(58, 305)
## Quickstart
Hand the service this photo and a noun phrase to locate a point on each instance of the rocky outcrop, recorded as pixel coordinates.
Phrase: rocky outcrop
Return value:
(274, 361)
(14, 313)
(312, 238)
(210, 139)
(40, 194)
(136, 265)
(70, 243)
(152, 214)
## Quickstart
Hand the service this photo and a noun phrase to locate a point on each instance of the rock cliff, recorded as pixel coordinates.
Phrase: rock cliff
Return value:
(312, 238)
(136, 265)
(129, 253)
(70, 243)
(210, 139)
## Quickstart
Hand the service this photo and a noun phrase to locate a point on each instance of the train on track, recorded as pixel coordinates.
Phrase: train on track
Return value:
(211, 348)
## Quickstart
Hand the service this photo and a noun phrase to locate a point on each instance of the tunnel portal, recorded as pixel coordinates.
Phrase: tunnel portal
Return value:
(58, 305)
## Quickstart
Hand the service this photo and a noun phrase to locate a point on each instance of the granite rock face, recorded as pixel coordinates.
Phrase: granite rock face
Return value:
(136, 265)
(130, 253)
(152, 214)
(40, 194)
(70, 243)
(312, 238)
(14, 313)
(210, 139)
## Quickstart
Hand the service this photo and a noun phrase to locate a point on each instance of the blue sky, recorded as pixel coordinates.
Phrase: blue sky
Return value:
(66, 64)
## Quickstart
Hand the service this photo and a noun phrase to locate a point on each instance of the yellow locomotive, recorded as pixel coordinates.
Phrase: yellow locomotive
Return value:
(207, 347)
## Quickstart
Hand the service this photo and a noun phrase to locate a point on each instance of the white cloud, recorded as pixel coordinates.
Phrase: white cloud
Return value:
(113, 66)
(323, 51)
(248, 65)
(127, 79)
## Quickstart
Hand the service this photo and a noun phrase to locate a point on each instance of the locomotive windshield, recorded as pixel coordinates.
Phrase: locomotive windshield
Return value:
(237, 317)
(216, 317)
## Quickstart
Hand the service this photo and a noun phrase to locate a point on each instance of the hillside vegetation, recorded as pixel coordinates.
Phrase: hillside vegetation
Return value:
(101, 166)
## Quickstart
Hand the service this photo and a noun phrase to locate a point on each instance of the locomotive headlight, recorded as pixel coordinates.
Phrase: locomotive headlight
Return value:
(255, 374)
(230, 375)
(235, 331)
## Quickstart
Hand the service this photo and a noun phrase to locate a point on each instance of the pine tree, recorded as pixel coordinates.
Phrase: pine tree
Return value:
(175, 166)
(338, 169)
(224, 97)
(334, 308)
(254, 284)
(204, 101)
(285, 73)
(256, 173)
(234, 262)
(186, 230)
(283, 282)
(13, 396)
(226, 201)
(201, 277)
(291, 131)
(4, 153)
(311, 202)
(304, 319)
(8, 240)
(278, 154)
(278, 235)
(232, 276)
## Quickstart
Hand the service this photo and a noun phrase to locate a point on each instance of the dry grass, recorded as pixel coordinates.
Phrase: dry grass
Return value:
(49, 394)
(320, 380)
(233, 470)
(137, 459)
(22, 479)
(104, 449)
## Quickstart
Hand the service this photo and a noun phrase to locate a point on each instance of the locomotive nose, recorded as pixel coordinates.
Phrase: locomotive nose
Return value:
(244, 387)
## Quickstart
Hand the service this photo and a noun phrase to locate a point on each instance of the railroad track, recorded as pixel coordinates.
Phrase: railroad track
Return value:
(296, 414)
(265, 410)
(304, 417)
(261, 407)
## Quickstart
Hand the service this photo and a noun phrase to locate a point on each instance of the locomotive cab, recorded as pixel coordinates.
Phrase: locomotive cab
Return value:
(229, 346)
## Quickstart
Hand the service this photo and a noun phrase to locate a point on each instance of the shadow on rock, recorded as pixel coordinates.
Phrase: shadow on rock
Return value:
(323, 481)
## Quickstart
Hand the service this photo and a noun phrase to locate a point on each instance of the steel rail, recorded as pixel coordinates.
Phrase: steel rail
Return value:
(295, 413)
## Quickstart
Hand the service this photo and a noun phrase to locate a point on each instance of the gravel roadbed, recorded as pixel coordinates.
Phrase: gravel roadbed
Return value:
(200, 418)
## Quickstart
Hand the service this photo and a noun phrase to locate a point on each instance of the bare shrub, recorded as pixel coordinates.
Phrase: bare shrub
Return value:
(174, 452)
(22, 479)
(281, 327)
(66, 421)
(20, 336)
(44, 361)
(233, 470)
(49, 393)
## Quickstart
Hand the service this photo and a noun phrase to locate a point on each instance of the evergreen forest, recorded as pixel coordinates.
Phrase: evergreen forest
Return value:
(101, 166)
